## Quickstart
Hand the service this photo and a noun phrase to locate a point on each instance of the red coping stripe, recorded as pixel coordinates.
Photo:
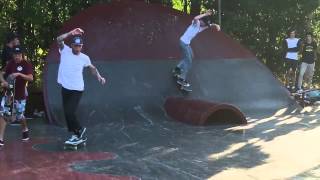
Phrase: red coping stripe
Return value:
(21, 161)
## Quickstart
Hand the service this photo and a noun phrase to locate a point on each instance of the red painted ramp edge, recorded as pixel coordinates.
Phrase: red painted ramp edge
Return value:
(202, 113)
(135, 30)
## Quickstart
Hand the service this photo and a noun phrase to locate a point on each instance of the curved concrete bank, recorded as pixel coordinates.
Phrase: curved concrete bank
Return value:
(135, 45)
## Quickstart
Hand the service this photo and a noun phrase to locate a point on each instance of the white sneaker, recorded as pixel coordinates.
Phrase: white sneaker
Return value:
(183, 83)
(73, 140)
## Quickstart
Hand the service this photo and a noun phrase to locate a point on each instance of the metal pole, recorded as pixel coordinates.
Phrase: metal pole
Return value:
(220, 13)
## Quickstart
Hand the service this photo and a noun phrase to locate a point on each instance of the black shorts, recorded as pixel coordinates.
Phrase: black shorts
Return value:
(291, 64)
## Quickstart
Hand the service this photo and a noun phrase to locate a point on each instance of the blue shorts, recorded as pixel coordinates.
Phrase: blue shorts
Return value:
(19, 108)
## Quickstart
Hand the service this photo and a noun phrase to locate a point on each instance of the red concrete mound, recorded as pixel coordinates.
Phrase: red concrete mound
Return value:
(132, 30)
(202, 113)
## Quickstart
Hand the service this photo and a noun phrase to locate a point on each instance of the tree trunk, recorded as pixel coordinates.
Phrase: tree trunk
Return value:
(19, 18)
(195, 7)
(272, 61)
(55, 23)
(185, 6)
(169, 3)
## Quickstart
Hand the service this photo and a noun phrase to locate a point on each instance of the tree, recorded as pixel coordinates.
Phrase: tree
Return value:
(195, 7)
(262, 25)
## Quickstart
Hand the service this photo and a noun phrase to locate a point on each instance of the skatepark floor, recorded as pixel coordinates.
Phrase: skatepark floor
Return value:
(271, 147)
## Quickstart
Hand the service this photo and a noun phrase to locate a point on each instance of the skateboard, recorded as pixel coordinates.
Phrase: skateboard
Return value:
(76, 146)
(307, 97)
(7, 101)
(303, 92)
(175, 75)
(184, 88)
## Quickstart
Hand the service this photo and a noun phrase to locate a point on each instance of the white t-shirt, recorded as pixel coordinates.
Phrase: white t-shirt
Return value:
(292, 43)
(191, 32)
(70, 74)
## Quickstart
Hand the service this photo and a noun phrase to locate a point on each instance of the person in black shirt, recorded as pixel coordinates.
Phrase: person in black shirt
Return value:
(309, 56)
(11, 41)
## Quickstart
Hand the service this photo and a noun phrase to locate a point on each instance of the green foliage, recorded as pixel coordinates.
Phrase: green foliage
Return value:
(37, 23)
(259, 25)
(263, 25)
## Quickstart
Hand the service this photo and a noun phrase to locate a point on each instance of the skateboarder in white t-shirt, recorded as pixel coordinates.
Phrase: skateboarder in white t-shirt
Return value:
(199, 24)
(70, 77)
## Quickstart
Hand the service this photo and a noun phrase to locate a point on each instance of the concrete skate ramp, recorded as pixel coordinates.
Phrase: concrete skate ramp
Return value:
(135, 45)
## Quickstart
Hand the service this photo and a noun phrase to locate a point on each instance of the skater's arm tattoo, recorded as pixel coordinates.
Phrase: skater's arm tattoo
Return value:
(61, 38)
(96, 73)
(94, 70)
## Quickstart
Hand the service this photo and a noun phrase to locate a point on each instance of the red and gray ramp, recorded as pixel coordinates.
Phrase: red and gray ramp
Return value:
(135, 45)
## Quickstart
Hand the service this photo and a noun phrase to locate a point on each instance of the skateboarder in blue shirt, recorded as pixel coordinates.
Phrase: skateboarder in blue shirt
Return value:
(199, 24)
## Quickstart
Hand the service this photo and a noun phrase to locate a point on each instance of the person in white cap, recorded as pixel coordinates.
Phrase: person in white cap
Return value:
(70, 77)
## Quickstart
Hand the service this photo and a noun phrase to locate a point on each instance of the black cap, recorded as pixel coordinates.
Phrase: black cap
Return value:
(77, 40)
(17, 50)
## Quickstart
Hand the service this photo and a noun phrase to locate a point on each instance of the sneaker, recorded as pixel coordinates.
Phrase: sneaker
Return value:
(1, 143)
(183, 82)
(25, 136)
(82, 132)
(73, 140)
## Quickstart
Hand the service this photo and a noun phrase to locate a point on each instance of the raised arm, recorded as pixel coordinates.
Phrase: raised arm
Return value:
(208, 13)
(96, 73)
(61, 38)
